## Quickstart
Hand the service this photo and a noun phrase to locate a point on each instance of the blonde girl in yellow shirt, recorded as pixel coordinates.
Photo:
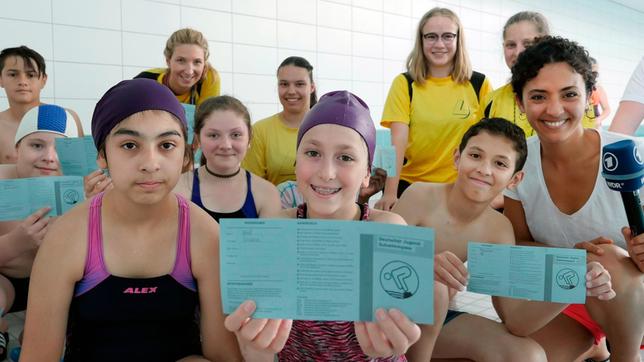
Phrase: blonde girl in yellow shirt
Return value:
(429, 115)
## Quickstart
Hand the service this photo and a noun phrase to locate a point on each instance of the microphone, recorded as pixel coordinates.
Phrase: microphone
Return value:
(622, 167)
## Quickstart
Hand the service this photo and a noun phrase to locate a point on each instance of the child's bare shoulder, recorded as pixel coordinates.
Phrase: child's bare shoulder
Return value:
(67, 240)
(260, 184)
(498, 228)
(70, 229)
(284, 214)
(423, 189)
(5, 116)
(267, 198)
(431, 194)
(420, 200)
(202, 225)
(8, 171)
(386, 217)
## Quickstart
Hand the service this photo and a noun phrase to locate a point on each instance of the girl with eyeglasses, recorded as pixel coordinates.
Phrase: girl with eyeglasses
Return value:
(519, 32)
(431, 105)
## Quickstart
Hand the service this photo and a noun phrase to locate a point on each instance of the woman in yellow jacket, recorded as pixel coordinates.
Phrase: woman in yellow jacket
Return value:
(430, 107)
(188, 75)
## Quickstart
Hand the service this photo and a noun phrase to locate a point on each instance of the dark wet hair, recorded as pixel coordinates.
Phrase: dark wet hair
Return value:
(28, 55)
(504, 128)
(301, 63)
(548, 50)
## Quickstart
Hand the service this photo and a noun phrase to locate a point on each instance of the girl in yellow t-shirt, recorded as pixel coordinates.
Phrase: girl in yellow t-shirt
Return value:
(272, 149)
(599, 99)
(188, 75)
(429, 112)
(519, 32)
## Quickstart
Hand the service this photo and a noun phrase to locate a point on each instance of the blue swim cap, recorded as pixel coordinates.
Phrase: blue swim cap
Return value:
(46, 118)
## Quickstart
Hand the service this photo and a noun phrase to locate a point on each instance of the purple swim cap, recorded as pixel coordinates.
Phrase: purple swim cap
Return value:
(344, 109)
(129, 97)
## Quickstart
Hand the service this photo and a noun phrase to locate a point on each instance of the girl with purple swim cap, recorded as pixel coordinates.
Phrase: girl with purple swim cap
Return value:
(335, 147)
(128, 281)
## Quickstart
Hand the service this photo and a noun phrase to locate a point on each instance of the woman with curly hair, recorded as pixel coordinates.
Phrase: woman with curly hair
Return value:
(563, 201)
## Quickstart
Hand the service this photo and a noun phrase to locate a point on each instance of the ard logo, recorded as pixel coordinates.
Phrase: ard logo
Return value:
(610, 162)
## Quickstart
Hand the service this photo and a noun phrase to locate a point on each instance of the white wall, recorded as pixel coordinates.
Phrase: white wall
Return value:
(359, 45)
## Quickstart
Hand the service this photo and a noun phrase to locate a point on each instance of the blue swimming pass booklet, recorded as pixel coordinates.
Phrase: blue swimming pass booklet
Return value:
(21, 197)
(77, 155)
(327, 270)
(527, 272)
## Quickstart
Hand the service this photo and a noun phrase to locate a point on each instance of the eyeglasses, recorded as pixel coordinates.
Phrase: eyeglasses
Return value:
(445, 37)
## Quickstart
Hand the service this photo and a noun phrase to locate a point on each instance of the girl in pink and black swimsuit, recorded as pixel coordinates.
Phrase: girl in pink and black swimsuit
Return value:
(120, 277)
